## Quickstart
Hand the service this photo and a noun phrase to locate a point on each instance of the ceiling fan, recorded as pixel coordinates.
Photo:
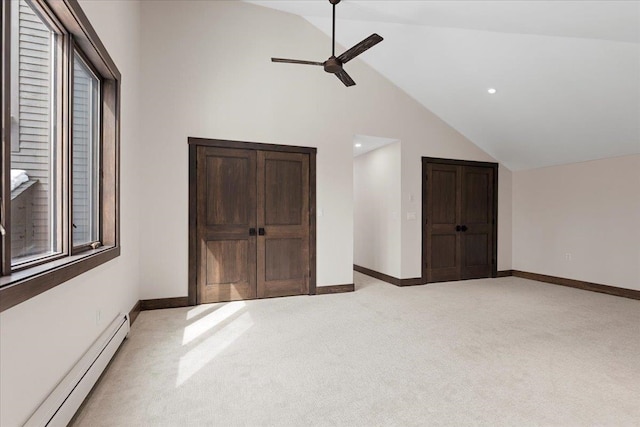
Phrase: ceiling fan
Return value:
(334, 65)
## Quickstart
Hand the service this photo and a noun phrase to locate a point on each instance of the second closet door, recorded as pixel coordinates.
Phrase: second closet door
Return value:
(476, 217)
(283, 221)
(460, 225)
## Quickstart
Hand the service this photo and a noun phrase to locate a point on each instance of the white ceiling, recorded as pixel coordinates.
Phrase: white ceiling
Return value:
(567, 73)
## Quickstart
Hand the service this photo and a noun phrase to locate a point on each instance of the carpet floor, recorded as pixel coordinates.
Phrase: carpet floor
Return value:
(491, 352)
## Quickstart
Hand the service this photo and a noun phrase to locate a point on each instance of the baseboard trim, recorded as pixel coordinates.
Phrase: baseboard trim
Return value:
(335, 289)
(160, 303)
(579, 284)
(133, 314)
(411, 282)
(377, 275)
(386, 278)
(505, 273)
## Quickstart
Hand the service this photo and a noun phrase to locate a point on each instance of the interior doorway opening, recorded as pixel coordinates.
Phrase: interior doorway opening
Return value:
(377, 204)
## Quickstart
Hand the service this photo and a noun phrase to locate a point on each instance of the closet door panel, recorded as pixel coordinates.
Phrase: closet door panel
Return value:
(283, 190)
(443, 209)
(226, 210)
(283, 224)
(477, 216)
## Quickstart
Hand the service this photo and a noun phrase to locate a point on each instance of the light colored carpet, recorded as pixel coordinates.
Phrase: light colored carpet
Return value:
(487, 352)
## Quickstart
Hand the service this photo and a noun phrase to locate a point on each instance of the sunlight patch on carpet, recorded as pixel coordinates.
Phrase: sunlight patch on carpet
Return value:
(210, 321)
(198, 357)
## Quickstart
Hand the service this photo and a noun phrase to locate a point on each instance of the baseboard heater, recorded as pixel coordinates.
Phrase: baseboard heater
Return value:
(61, 405)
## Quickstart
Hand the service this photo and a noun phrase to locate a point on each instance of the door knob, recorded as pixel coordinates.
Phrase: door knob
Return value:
(261, 231)
(458, 228)
(464, 228)
(252, 231)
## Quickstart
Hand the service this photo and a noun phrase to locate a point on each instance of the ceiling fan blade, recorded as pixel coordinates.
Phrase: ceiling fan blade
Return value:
(356, 50)
(345, 78)
(296, 61)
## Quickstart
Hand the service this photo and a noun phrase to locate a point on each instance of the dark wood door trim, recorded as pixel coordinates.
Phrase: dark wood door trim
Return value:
(223, 143)
(193, 143)
(454, 162)
(312, 222)
(193, 231)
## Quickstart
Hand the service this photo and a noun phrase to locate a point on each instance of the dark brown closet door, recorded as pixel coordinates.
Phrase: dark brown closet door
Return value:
(477, 218)
(226, 211)
(283, 221)
(443, 207)
(459, 209)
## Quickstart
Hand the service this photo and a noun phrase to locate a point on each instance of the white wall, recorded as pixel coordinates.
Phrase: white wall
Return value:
(589, 210)
(42, 338)
(376, 208)
(208, 74)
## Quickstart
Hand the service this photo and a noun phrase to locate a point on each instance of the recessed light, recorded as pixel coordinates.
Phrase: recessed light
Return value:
(491, 90)
(358, 145)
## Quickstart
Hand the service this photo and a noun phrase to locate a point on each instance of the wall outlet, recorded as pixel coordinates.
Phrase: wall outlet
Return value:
(567, 256)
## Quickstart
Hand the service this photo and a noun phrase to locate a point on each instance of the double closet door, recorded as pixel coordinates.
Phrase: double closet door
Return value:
(252, 222)
(459, 211)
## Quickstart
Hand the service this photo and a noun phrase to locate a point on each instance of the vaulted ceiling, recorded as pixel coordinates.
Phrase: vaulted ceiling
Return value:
(566, 73)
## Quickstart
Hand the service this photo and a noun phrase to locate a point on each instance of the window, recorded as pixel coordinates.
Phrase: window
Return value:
(59, 160)
(34, 198)
(85, 148)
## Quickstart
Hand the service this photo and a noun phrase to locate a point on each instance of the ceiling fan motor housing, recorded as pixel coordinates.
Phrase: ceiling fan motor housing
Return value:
(332, 65)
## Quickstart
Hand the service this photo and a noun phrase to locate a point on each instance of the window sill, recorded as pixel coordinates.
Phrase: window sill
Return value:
(25, 284)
